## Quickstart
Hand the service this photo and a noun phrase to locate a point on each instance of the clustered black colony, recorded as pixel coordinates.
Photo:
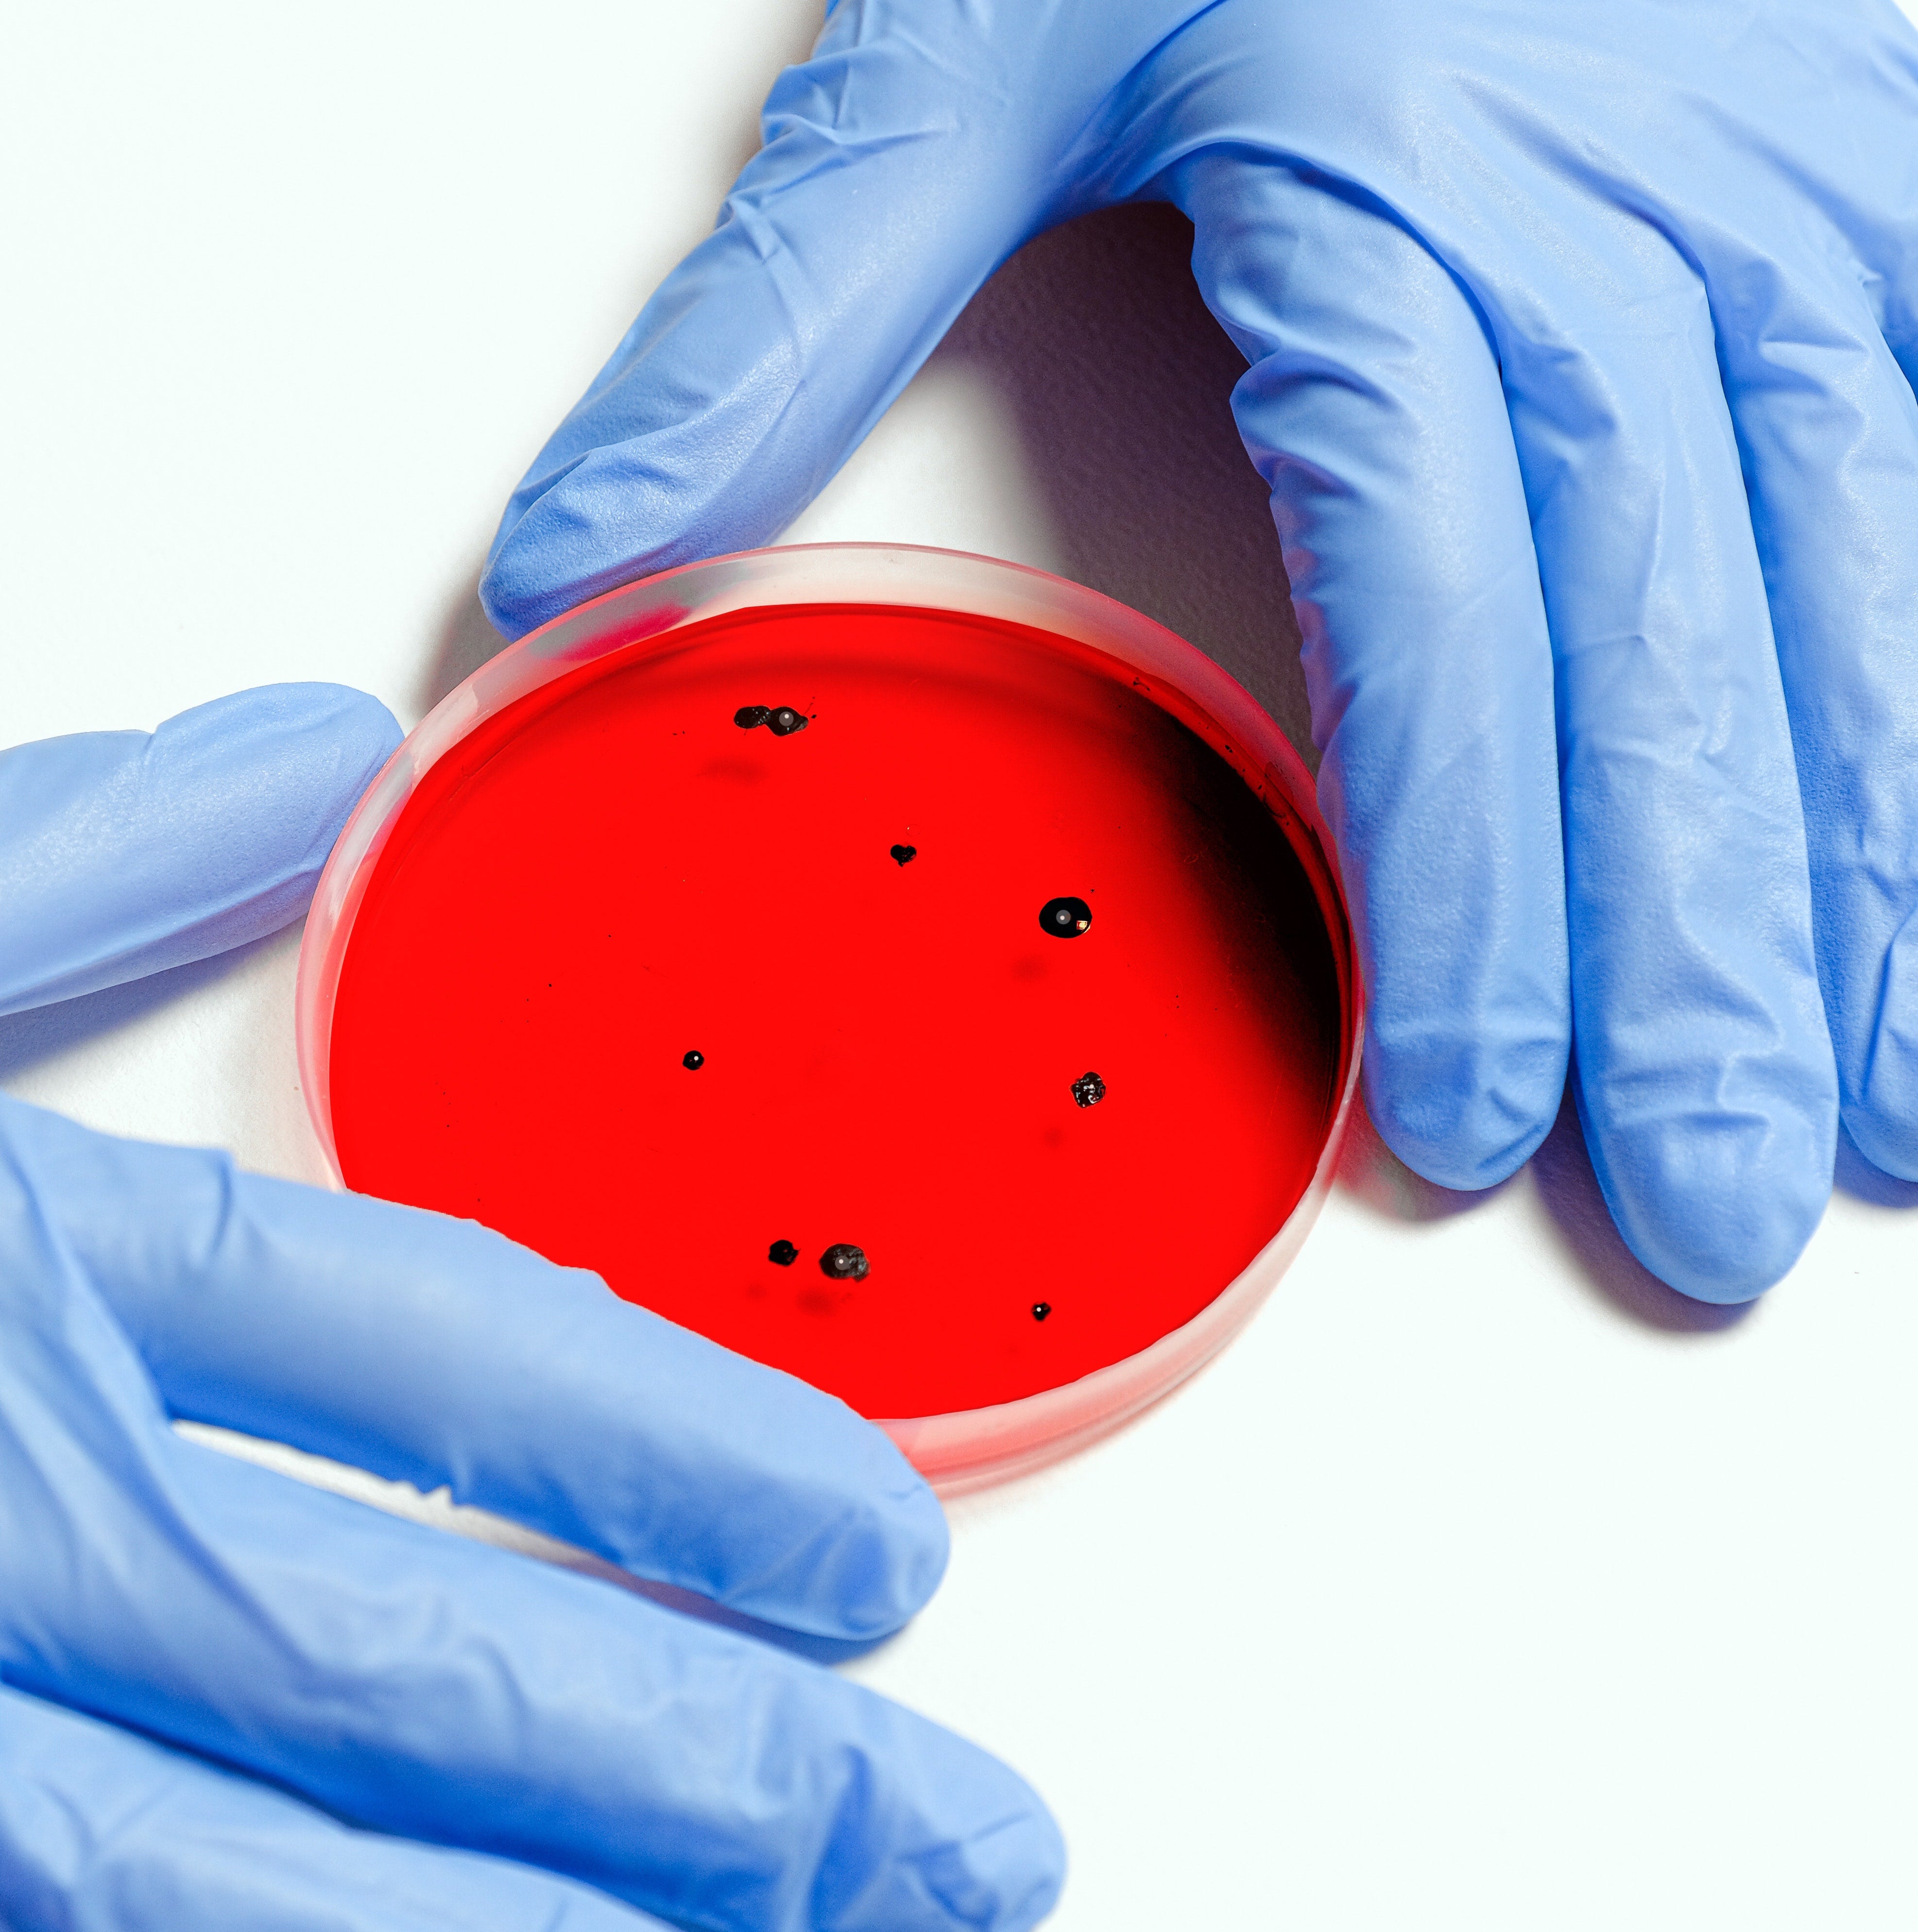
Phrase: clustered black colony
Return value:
(781, 720)
(1065, 918)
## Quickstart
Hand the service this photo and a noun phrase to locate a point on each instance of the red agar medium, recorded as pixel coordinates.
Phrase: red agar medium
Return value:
(656, 993)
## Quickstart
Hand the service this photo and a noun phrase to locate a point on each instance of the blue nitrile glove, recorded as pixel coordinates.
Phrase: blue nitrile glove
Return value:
(1580, 333)
(229, 1701)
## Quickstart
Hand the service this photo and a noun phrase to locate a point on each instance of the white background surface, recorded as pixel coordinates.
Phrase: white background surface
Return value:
(1484, 1582)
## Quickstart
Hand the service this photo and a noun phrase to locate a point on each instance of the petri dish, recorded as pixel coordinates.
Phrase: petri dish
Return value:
(914, 971)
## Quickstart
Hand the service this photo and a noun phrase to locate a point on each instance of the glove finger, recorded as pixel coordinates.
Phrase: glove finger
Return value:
(1705, 1074)
(893, 180)
(1829, 431)
(101, 1831)
(1373, 409)
(435, 1351)
(447, 1691)
(124, 852)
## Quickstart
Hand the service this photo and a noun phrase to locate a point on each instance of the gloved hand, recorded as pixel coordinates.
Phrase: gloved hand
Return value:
(1580, 335)
(207, 1669)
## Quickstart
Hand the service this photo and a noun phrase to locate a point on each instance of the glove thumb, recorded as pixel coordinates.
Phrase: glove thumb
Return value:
(123, 854)
(885, 194)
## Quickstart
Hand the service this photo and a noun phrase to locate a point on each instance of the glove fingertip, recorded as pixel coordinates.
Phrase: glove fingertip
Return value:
(541, 556)
(267, 778)
(1888, 1139)
(1461, 1116)
(911, 1544)
(322, 744)
(1719, 1205)
(860, 1544)
(1020, 1867)
(983, 1850)
(208, 834)
(1881, 1093)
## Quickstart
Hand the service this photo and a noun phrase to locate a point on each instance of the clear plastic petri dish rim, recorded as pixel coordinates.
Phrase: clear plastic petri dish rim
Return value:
(970, 1448)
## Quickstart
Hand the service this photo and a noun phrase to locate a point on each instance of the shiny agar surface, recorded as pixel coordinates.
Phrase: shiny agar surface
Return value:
(625, 859)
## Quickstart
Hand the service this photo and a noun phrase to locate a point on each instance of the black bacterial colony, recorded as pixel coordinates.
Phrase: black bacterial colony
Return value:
(1065, 918)
(781, 720)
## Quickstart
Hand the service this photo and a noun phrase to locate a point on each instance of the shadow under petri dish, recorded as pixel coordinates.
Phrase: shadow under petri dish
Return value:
(591, 878)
